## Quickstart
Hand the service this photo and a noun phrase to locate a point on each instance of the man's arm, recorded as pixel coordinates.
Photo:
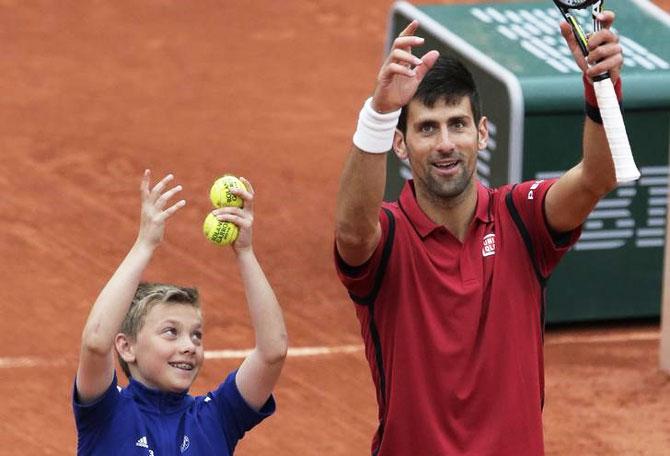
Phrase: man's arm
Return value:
(96, 359)
(357, 229)
(570, 200)
(259, 372)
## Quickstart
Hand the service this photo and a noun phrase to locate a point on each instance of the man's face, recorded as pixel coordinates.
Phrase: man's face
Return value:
(168, 350)
(441, 144)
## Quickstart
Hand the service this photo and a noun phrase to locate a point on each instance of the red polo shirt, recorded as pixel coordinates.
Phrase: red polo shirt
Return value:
(453, 331)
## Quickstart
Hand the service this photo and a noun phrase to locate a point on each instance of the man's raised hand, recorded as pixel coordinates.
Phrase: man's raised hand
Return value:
(605, 52)
(401, 72)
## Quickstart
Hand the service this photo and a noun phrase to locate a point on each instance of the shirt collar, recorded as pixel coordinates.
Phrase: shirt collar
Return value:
(154, 400)
(424, 225)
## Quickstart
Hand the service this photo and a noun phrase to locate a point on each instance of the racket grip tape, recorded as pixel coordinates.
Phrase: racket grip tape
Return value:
(615, 130)
(590, 100)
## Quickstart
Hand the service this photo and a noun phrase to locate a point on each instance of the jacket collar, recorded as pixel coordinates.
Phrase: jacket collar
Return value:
(157, 401)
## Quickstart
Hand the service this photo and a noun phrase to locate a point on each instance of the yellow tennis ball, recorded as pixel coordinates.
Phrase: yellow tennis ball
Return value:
(220, 194)
(220, 233)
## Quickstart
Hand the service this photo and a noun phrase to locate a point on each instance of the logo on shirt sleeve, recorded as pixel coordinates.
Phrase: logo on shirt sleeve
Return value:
(489, 245)
(533, 188)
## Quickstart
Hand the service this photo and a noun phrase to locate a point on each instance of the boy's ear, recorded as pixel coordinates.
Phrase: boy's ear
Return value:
(125, 348)
(399, 146)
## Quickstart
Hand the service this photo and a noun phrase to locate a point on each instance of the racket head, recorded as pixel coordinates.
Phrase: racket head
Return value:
(575, 4)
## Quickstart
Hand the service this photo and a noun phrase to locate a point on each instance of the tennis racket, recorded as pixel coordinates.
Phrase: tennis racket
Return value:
(615, 130)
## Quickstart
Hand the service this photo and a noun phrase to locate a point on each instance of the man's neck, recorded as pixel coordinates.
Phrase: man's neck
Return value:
(455, 213)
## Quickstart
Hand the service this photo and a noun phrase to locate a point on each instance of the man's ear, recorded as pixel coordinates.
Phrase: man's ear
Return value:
(125, 347)
(399, 146)
(483, 130)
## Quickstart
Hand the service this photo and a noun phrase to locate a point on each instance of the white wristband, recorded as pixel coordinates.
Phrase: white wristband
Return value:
(374, 133)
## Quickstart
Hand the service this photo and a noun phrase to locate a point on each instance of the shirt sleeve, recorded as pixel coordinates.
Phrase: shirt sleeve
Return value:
(95, 414)
(359, 280)
(549, 246)
(236, 415)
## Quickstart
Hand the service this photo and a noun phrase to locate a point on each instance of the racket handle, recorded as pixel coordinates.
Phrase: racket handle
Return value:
(615, 130)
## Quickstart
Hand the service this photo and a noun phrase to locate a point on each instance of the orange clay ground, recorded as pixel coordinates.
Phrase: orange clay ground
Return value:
(95, 91)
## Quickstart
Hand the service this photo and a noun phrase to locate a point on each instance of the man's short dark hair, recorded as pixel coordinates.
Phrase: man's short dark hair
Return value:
(447, 80)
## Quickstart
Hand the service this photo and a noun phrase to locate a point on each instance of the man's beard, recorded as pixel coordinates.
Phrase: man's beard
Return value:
(441, 189)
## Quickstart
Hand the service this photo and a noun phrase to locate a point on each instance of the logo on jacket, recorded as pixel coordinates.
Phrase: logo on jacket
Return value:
(489, 245)
(142, 442)
(185, 444)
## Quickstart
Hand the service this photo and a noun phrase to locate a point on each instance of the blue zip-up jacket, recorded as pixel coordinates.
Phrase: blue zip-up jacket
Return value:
(146, 422)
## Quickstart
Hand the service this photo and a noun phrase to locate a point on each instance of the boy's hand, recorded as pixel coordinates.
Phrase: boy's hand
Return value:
(242, 217)
(154, 200)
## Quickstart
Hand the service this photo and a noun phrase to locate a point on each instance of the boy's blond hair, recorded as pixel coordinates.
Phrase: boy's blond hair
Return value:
(146, 297)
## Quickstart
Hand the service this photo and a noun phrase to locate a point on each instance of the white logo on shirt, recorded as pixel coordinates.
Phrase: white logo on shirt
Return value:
(533, 187)
(489, 245)
(185, 443)
(142, 442)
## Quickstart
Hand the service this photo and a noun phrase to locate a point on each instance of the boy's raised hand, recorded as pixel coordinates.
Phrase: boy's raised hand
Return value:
(96, 361)
(154, 214)
(242, 217)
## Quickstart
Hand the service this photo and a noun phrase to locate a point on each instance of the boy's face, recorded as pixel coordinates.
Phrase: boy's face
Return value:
(168, 349)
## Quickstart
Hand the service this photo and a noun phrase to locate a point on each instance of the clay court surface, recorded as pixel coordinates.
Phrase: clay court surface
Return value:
(93, 92)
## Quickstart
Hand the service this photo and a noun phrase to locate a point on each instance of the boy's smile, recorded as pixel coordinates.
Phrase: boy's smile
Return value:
(168, 350)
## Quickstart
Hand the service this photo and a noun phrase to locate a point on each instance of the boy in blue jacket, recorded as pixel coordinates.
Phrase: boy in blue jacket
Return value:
(156, 331)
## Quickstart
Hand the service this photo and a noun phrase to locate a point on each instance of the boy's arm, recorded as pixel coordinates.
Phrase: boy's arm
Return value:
(96, 360)
(259, 372)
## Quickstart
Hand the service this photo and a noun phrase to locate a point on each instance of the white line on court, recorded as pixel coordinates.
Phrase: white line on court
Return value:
(601, 338)
(20, 361)
(298, 352)
(292, 352)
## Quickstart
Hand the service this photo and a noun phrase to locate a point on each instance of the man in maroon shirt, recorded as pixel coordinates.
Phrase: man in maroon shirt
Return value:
(449, 280)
